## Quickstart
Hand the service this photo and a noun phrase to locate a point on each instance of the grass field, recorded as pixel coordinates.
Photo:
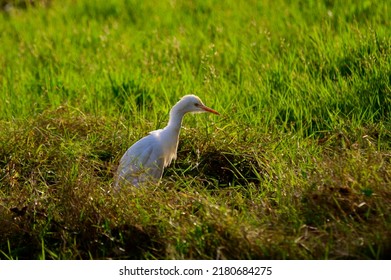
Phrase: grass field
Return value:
(298, 165)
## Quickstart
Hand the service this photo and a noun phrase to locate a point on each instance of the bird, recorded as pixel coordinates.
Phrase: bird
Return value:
(144, 162)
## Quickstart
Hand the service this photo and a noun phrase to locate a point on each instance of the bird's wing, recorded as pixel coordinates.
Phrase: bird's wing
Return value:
(142, 162)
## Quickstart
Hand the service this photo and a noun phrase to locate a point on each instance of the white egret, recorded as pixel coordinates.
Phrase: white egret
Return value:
(145, 160)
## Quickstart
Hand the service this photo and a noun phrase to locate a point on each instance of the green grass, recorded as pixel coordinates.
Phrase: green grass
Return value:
(298, 165)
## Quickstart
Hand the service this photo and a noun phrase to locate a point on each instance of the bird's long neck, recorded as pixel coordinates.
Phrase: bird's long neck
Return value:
(175, 120)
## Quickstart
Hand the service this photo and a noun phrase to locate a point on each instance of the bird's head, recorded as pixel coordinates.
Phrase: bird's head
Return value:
(193, 104)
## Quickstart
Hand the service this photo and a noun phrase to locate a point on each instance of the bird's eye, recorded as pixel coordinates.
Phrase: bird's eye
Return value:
(196, 104)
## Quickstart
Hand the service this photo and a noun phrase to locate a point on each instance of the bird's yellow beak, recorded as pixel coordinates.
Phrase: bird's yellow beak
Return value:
(210, 110)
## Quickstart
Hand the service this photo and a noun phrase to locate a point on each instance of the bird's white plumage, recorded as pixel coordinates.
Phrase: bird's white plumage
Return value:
(145, 160)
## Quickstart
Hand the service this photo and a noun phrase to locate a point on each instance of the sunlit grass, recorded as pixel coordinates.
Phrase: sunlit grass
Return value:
(296, 167)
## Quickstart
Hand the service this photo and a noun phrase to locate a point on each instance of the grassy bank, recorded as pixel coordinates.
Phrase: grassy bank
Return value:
(298, 166)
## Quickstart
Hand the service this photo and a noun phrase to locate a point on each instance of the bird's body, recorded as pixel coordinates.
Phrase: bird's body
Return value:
(146, 159)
